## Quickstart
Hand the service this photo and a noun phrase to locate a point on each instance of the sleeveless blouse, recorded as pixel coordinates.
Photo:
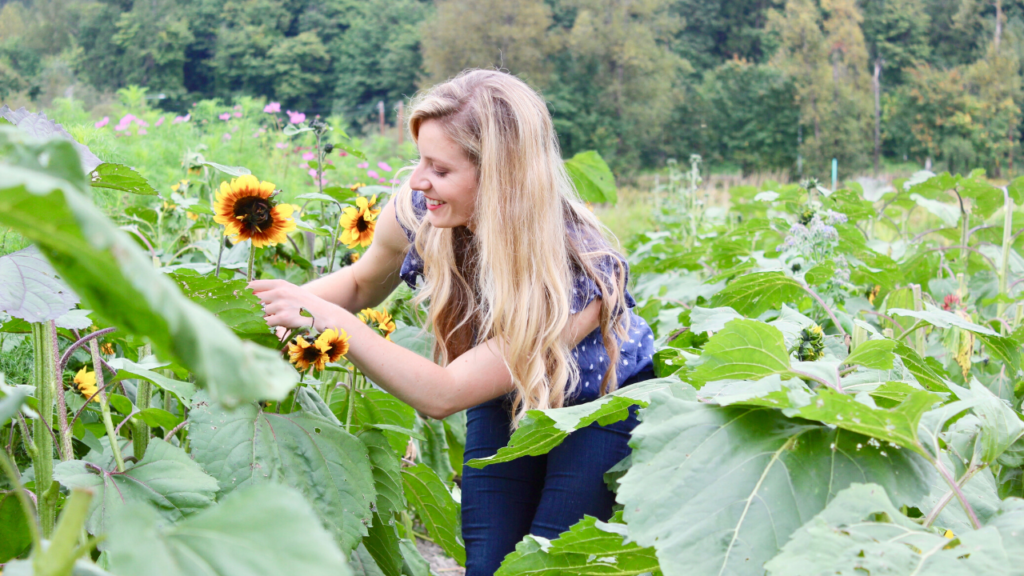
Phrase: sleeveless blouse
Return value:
(636, 351)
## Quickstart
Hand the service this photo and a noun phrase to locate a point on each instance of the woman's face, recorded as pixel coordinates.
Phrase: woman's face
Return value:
(446, 176)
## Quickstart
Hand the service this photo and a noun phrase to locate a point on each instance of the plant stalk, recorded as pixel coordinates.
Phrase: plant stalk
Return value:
(959, 493)
(108, 423)
(65, 452)
(252, 260)
(60, 556)
(933, 515)
(42, 462)
(351, 400)
(1004, 261)
(220, 254)
(919, 338)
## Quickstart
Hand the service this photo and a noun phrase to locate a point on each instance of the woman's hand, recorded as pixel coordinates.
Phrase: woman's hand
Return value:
(283, 301)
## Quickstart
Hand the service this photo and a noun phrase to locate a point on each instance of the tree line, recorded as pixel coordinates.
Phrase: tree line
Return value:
(782, 85)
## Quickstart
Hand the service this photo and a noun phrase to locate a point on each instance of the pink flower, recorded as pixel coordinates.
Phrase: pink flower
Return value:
(227, 137)
(238, 114)
(104, 122)
(384, 166)
(281, 145)
(296, 117)
(372, 174)
(394, 181)
(142, 122)
(127, 133)
(363, 165)
(312, 172)
(142, 132)
(126, 119)
(185, 118)
(120, 127)
(160, 121)
(342, 153)
(272, 107)
(238, 106)
(308, 156)
(380, 180)
(225, 116)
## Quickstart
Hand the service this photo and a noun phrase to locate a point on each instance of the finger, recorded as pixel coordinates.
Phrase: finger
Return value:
(273, 308)
(280, 332)
(264, 285)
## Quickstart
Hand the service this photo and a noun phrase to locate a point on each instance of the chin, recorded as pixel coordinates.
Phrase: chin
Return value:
(439, 221)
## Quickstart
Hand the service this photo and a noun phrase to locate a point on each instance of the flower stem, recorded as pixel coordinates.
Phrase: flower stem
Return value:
(143, 397)
(1004, 261)
(220, 254)
(959, 493)
(351, 400)
(46, 495)
(934, 514)
(65, 451)
(334, 242)
(252, 260)
(115, 447)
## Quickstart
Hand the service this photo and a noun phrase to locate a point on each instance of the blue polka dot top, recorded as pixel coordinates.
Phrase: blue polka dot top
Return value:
(636, 351)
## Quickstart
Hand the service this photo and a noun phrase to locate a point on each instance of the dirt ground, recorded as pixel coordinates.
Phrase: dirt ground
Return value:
(439, 563)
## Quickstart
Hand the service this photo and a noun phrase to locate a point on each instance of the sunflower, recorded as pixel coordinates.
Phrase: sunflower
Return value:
(85, 382)
(305, 355)
(384, 322)
(246, 210)
(333, 343)
(358, 223)
(107, 348)
(330, 346)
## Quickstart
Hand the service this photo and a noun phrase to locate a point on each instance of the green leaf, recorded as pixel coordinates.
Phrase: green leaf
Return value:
(15, 537)
(230, 301)
(235, 171)
(711, 319)
(718, 490)
(159, 418)
(875, 354)
(310, 401)
(436, 508)
(541, 430)
(948, 213)
(592, 177)
(942, 319)
(434, 450)
(980, 491)
(848, 538)
(260, 530)
(926, 374)
(743, 350)
(11, 403)
(120, 403)
(119, 177)
(30, 289)
(362, 563)
(128, 369)
(413, 563)
(820, 273)
(339, 194)
(377, 409)
(166, 478)
(326, 464)
(382, 544)
(387, 473)
(115, 279)
(589, 547)
(753, 294)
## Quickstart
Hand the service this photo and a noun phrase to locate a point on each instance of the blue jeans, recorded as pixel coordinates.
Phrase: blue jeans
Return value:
(539, 495)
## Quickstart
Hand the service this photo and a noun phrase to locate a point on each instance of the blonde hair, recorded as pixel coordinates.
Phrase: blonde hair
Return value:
(512, 277)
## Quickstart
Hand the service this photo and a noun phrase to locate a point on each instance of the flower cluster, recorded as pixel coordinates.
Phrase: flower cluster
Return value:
(811, 241)
(384, 323)
(330, 346)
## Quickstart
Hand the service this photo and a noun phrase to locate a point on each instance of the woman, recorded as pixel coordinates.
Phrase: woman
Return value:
(526, 299)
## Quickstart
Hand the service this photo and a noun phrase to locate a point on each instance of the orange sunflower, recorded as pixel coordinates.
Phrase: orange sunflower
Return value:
(385, 324)
(246, 211)
(85, 383)
(358, 223)
(330, 346)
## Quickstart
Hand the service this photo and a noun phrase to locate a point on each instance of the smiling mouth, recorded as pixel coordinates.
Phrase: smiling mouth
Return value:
(432, 204)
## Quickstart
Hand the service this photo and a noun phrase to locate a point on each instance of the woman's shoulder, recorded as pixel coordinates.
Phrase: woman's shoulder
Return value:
(607, 263)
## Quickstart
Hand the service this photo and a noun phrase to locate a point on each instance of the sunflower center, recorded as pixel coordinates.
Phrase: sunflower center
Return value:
(311, 354)
(254, 211)
(362, 225)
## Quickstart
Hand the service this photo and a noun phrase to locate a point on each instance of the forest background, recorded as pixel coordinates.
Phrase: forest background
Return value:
(750, 85)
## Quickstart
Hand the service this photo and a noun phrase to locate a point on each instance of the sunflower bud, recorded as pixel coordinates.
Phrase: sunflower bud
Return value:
(811, 345)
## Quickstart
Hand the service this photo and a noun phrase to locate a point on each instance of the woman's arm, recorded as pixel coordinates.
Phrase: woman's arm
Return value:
(477, 376)
(370, 280)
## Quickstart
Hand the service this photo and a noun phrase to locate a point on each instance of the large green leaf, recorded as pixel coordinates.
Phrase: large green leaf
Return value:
(718, 490)
(436, 508)
(257, 531)
(119, 177)
(387, 473)
(382, 544)
(116, 279)
(942, 319)
(753, 294)
(326, 464)
(744, 349)
(589, 547)
(166, 478)
(375, 408)
(230, 301)
(31, 290)
(11, 402)
(926, 372)
(542, 430)
(128, 369)
(875, 354)
(592, 177)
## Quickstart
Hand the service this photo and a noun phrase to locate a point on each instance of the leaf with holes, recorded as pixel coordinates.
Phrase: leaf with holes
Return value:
(326, 464)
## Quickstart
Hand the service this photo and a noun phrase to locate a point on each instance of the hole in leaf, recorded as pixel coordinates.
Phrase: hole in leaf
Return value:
(317, 430)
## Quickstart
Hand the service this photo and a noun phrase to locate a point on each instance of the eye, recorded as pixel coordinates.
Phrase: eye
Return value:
(440, 173)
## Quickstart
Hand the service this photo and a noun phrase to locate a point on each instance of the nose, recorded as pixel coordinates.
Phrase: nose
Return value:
(418, 179)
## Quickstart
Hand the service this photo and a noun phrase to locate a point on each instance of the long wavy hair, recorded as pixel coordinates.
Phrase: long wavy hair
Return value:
(511, 277)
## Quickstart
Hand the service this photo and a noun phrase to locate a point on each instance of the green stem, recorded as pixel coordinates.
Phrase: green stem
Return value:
(220, 254)
(919, 336)
(115, 446)
(1004, 263)
(252, 260)
(334, 242)
(965, 233)
(65, 452)
(351, 400)
(60, 556)
(140, 430)
(42, 463)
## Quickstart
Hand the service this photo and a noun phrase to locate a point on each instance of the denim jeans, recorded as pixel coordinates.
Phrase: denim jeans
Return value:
(540, 495)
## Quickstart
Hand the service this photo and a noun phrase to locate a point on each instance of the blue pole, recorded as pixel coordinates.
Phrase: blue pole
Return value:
(835, 169)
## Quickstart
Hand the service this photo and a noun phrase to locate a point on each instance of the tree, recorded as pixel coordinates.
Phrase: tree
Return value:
(715, 31)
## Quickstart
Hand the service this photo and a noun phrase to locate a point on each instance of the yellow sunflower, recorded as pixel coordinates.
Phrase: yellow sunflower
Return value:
(385, 324)
(304, 355)
(85, 383)
(358, 223)
(246, 211)
(333, 343)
